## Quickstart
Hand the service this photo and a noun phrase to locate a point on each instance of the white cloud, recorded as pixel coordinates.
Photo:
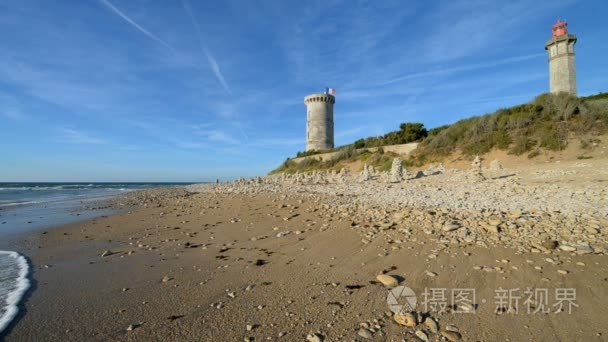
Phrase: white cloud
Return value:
(73, 136)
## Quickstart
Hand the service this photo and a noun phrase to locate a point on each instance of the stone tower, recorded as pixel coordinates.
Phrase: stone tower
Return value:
(562, 73)
(319, 121)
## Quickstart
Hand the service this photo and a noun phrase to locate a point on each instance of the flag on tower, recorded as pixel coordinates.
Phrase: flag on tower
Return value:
(330, 91)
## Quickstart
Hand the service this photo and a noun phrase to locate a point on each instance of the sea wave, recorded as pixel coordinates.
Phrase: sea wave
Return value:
(17, 289)
(10, 204)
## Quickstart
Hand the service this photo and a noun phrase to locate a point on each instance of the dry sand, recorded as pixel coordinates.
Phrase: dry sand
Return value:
(205, 266)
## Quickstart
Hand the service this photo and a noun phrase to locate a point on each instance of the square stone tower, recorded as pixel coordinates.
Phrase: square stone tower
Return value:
(562, 73)
(319, 121)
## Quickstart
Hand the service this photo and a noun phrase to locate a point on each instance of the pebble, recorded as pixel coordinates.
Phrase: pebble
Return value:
(451, 327)
(387, 280)
(567, 248)
(431, 274)
(422, 335)
(562, 272)
(431, 325)
(450, 227)
(550, 244)
(314, 338)
(451, 336)
(407, 319)
(366, 334)
(166, 279)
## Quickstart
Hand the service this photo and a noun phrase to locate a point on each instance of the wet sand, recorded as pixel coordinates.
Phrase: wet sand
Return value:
(234, 267)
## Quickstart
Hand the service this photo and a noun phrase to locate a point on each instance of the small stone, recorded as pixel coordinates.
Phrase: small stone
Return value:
(494, 221)
(431, 325)
(562, 272)
(466, 307)
(387, 280)
(567, 248)
(584, 249)
(407, 319)
(550, 244)
(314, 338)
(131, 327)
(451, 336)
(422, 335)
(450, 227)
(249, 327)
(366, 334)
(166, 279)
(431, 274)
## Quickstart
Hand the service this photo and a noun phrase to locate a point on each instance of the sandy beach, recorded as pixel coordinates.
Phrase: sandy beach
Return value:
(280, 259)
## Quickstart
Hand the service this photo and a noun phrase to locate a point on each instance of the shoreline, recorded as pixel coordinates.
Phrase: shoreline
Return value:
(280, 260)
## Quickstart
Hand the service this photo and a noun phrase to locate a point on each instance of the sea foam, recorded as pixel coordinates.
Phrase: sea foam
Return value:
(13, 288)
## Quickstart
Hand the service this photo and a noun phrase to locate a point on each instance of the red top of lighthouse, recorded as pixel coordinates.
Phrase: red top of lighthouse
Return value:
(560, 28)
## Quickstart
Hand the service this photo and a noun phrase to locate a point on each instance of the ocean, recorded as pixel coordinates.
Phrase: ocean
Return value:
(33, 206)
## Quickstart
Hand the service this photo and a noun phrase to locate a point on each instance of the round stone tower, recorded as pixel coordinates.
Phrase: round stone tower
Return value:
(562, 74)
(319, 121)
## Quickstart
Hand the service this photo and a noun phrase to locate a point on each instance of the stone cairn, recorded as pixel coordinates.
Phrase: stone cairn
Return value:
(343, 176)
(396, 171)
(495, 165)
(365, 174)
(477, 168)
(316, 177)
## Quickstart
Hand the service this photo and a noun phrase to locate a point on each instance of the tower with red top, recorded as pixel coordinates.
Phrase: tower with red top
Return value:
(560, 47)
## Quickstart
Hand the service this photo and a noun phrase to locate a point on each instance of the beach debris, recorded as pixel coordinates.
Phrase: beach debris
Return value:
(106, 253)
(132, 327)
(260, 262)
(166, 279)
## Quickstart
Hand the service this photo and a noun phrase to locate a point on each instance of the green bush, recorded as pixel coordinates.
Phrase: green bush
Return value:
(549, 120)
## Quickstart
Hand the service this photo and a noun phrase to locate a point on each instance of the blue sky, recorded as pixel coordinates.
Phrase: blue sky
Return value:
(142, 90)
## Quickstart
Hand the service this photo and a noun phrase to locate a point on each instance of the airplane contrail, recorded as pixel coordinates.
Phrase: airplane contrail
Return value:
(126, 18)
(210, 59)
